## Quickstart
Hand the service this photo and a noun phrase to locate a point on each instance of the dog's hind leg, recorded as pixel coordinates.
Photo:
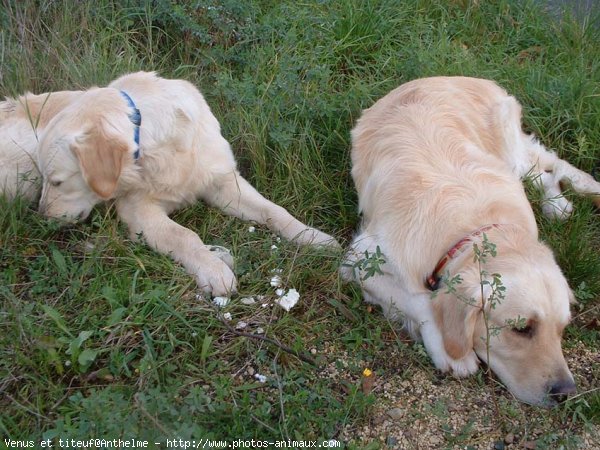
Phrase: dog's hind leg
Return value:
(236, 197)
(554, 172)
(529, 158)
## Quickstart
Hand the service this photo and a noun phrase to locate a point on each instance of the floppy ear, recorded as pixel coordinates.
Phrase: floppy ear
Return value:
(456, 319)
(101, 160)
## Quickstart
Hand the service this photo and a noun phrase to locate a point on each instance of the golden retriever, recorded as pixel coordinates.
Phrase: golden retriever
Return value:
(437, 165)
(153, 145)
(22, 120)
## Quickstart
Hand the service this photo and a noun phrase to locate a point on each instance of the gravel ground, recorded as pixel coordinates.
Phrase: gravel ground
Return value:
(421, 411)
(416, 407)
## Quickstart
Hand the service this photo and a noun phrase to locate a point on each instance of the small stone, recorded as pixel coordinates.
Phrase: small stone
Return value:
(241, 325)
(248, 301)
(395, 413)
(509, 438)
(453, 407)
(259, 330)
(530, 445)
(391, 441)
(499, 445)
(250, 371)
(313, 351)
(251, 229)
(378, 420)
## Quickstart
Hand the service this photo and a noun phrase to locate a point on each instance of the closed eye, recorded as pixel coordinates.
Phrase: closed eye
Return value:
(55, 183)
(525, 331)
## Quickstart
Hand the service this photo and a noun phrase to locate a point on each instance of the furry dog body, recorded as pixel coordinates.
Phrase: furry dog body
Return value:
(435, 162)
(93, 150)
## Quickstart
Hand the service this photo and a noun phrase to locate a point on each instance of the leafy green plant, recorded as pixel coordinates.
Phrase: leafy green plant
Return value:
(370, 264)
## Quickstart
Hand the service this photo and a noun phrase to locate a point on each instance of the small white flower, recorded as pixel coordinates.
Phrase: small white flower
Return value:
(278, 239)
(248, 301)
(194, 334)
(241, 325)
(280, 292)
(227, 316)
(264, 305)
(289, 300)
(276, 281)
(260, 378)
(273, 247)
(67, 363)
(221, 302)
(251, 229)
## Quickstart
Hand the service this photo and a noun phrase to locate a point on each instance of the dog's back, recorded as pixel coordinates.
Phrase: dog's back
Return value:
(428, 159)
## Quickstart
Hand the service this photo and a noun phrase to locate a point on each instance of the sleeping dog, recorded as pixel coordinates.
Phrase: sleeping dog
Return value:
(152, 145)
(437, 164)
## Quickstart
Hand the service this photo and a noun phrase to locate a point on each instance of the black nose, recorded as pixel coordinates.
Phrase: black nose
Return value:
(561, 390)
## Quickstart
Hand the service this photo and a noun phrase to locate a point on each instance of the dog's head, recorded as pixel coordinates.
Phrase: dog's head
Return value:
(83, 152)
(518, 336)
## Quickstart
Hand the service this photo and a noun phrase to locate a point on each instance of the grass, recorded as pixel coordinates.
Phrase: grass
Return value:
(101, 337)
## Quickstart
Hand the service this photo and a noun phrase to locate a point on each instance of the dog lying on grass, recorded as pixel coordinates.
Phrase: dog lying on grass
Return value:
(437, 164)
(152, 145)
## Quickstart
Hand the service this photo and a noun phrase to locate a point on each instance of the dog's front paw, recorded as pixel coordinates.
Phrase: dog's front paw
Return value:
(312, 236)
(432, 338)
(558, 208)
(460, 368)
(223, 254)
(465, 366)
(216, 279)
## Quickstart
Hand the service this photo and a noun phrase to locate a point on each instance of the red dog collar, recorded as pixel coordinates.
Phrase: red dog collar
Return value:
(433, 280)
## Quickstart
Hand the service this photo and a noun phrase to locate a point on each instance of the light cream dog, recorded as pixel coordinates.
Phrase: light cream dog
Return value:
(22, 121)
(95, 149)
(438, 164)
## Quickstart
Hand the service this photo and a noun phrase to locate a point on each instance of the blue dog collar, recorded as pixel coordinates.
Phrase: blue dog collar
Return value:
(136, 119)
